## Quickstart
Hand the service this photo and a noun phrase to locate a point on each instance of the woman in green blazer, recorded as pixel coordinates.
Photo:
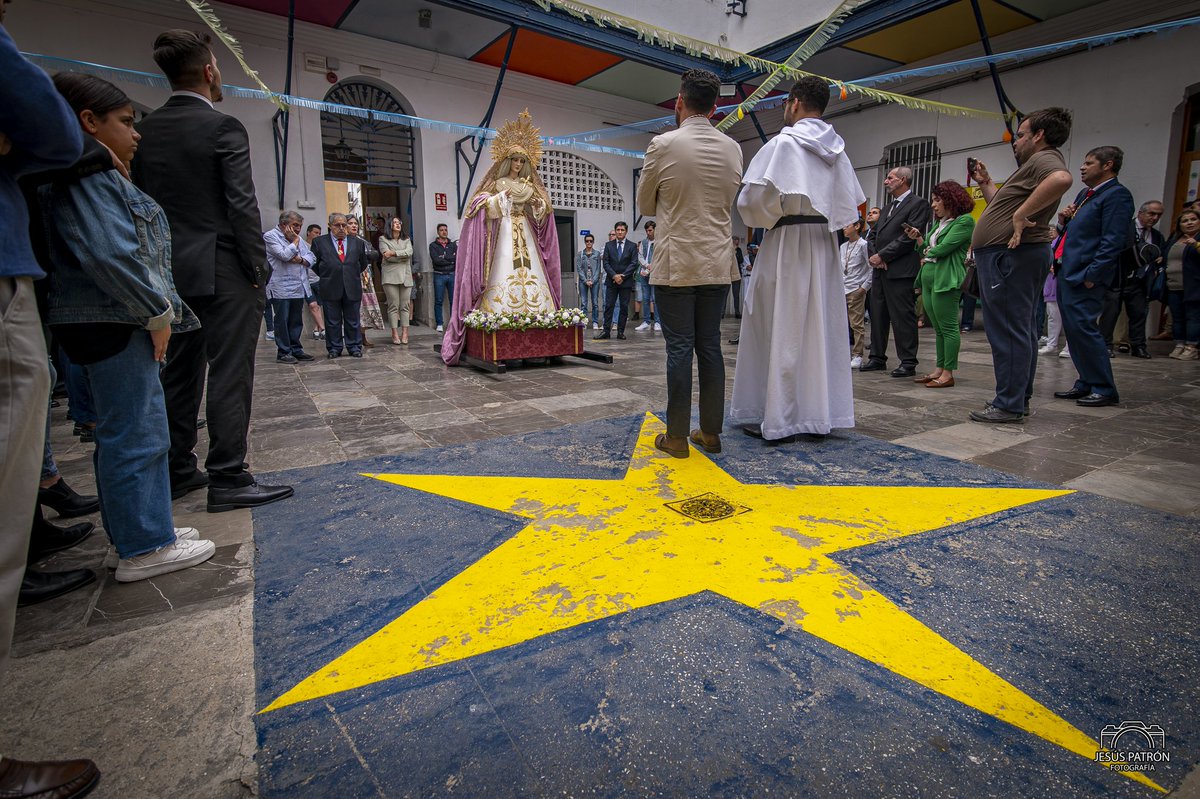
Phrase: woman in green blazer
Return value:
(943, 257)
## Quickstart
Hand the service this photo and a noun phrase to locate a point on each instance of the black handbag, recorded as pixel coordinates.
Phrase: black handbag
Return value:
(970, 284)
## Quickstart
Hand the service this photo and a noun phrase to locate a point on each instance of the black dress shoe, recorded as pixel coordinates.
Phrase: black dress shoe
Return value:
(995, 415)
(335, 354)
(42, 586)
(195, 481)
(45, 539)
(734, 341)
(63, 499)
(302, 356)
(600, 336)
(903, 371)
(1074, 394)
(621, 336)
(872, 366)
(1141, 352)
(1097, 401)
(755, 431)
(355, 353)
(251, 496)
(62, 779)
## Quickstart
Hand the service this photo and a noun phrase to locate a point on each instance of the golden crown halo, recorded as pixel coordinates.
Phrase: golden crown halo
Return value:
(518, 135)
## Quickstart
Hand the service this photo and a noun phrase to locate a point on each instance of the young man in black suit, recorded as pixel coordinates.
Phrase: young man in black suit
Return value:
(195, 161)
(896, 263)
(620, 262)
(341, 260)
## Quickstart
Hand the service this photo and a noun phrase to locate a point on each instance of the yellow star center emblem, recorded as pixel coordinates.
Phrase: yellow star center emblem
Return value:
(673, 528)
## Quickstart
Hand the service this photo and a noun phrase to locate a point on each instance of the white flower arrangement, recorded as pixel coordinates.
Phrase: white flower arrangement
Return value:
(490, 322)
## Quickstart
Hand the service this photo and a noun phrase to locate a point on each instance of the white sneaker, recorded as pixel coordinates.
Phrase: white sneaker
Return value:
(439, 329)
(1047, 350)
(1043, 341)
(1066, 353)
(270, 335)
(112, 559)
(171, 558)
(657, 326)
(856, 362)
(595, 325)
(643, 326)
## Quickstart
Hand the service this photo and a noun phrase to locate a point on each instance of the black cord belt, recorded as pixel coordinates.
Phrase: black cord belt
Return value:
(801, 219)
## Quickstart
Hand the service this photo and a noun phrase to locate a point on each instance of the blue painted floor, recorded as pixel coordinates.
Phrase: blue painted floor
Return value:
(1086, 604)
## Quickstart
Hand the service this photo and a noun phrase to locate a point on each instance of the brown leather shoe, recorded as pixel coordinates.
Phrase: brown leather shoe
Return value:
(943, 382)
(675, 447)
(709, 442)
(63, 779)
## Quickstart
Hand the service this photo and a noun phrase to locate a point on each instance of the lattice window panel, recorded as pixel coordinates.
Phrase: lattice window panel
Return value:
(575, 182)
(922, 156)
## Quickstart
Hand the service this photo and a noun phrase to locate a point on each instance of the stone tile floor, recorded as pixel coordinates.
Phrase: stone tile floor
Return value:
(109, 672)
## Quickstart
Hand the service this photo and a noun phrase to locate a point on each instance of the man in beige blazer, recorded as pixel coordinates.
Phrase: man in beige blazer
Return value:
(688, 183)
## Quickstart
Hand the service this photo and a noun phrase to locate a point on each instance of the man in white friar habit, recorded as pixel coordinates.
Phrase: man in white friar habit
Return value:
(791, 375)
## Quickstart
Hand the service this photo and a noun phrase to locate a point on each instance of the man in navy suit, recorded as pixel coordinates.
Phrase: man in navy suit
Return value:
(341, 260)
(1097, 233)
(620, 262)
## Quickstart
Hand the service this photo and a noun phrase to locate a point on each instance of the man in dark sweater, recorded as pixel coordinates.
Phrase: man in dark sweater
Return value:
(442, 253)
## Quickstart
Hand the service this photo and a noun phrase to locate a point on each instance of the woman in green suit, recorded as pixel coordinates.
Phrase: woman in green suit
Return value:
(943, 257)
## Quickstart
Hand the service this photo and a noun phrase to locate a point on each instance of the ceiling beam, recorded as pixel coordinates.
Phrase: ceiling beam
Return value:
(865, 20)
(564, 26)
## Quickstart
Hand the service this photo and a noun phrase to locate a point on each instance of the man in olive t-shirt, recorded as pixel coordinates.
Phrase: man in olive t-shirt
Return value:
(1012, 255)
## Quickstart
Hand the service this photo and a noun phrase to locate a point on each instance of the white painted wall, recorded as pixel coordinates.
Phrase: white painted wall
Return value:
(1122, 95)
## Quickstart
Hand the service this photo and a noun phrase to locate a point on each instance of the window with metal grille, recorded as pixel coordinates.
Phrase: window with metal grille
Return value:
(920, 155)
(575, 182)
(366, 149)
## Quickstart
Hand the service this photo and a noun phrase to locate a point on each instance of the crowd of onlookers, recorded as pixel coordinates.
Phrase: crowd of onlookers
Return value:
(160, 274)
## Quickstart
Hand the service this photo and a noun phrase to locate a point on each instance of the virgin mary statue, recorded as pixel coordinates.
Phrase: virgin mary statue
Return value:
(508, 258)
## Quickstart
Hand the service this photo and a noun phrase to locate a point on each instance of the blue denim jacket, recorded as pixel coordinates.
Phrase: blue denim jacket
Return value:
(111, 249)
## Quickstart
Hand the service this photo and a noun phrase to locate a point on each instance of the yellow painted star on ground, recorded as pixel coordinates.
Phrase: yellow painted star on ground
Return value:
(672, 528)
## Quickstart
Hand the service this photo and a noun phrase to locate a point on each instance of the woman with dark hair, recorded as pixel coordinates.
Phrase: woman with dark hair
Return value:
(1181, 264)
(943, 267)
(113, 305)
(397, 251)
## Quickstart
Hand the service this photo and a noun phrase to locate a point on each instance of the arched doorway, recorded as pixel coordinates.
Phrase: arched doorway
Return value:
(372, 165)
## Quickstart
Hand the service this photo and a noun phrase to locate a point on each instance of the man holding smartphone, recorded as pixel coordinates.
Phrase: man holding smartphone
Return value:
(896, 264)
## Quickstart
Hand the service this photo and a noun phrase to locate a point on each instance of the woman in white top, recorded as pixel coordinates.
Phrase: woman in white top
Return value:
(856, 273)
(397, 251)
